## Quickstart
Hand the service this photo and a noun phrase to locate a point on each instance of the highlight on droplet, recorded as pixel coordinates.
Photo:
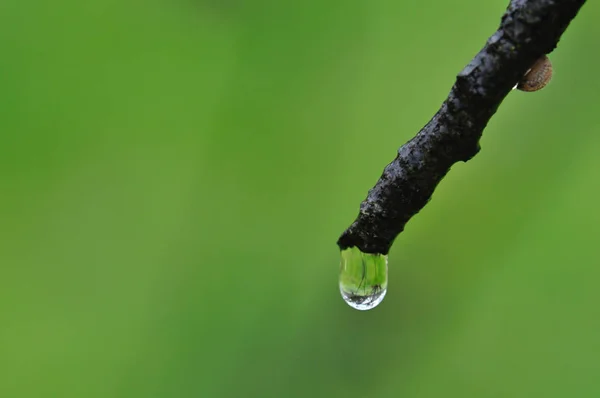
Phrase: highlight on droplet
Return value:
(363, 278)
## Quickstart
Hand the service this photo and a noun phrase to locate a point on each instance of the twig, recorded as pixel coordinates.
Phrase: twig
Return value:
(529, 29)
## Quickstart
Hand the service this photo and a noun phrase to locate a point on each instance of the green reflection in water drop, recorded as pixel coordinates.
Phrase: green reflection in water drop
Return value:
(363, 278)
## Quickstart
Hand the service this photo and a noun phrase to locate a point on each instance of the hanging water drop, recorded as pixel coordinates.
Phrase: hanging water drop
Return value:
(363, 278)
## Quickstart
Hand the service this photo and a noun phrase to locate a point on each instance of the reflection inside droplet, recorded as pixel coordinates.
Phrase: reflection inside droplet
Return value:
(363, 278)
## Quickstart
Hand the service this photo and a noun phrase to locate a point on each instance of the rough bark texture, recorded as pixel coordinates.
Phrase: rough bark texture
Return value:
(529, 29)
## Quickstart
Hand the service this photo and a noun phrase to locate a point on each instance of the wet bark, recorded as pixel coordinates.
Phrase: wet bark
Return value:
(528, 30)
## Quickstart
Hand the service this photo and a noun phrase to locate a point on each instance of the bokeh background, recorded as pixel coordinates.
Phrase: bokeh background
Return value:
(175, 174)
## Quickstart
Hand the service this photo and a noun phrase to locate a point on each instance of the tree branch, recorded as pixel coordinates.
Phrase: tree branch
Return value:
(528, 30)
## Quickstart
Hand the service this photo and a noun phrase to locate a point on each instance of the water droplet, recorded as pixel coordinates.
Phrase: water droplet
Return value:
(363, 278)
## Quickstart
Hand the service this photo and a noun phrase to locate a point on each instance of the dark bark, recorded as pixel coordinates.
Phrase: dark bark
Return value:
(528, 30)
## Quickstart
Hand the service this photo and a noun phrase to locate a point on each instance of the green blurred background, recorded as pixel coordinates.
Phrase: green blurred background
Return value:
(175, 174)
